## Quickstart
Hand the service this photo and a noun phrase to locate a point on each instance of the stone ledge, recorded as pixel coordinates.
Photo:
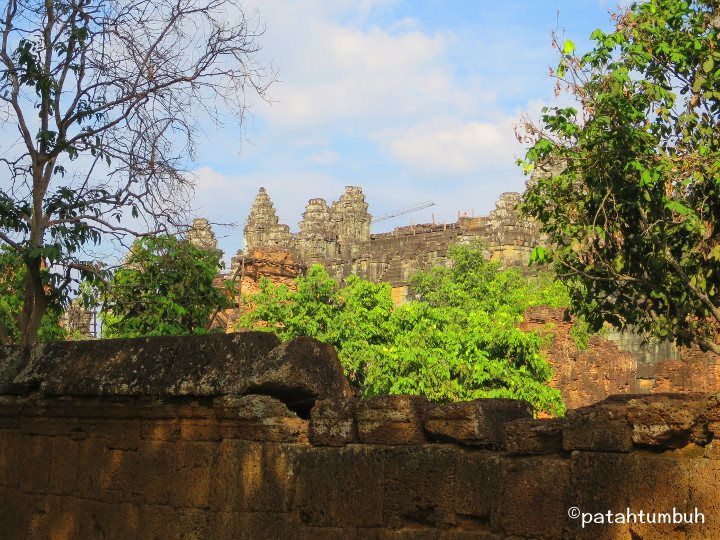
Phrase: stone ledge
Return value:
(475, 422)
(298, 372)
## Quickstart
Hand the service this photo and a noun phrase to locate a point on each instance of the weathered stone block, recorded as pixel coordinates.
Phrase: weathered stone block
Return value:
(530, 436)
(12, 361)
(259, 418)
(419, 485)
(332, 423)
(167, 365)
(10, 445)
(391, 420)
(669, 421)
(35, 477)
(63, 465)
(628, 484)
(470, 533)
(199, 430)
(532, 502)
(160, 465)
(602, 427)
(477, 484)
(704, 485)
(254, 477)
(254, 526)
(409, 533)
(170, 522)
(341, 487)
(473, 422)
(160, 430)
(298, 372)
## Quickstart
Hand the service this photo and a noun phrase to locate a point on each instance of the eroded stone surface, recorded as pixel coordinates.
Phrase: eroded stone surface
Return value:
(600, 428)
(473, 422)
(298, 372)
(391, 420)
(259, 418)
(530, 436)
(12, 361)
(332, 422)
(174, 467)
(670, 421)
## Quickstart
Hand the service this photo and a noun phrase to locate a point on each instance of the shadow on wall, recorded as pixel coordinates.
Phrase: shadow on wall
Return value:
(250, 468)
(168, 438)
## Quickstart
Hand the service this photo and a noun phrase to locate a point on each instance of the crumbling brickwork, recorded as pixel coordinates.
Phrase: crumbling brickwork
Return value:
(618, 363)
(238, 437)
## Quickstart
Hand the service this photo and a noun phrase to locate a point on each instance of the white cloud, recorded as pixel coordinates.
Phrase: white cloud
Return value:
(335, 72)
(412, 114)
(453, 147)
(326, 157)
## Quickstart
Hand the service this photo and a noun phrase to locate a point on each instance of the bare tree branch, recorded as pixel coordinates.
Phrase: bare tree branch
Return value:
(117, 88)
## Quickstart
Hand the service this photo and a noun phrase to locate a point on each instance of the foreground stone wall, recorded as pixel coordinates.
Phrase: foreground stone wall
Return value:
(240, 437)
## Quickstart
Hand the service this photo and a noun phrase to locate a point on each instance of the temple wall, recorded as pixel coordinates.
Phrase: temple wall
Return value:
(238, 436)
(618, 363)
(338, 237)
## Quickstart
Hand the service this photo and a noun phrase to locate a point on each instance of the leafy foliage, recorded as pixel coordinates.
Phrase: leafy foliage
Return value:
(165, 288)
(459, 340)
(12, 277)
(628, 187)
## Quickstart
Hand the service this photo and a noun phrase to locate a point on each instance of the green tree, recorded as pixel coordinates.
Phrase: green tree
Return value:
(166, 287)
(105, 97)
(352, 318)
(459, 340)
(627, 186)
(12, 277)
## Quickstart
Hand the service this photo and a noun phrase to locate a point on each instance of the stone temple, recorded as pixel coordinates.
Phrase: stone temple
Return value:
(338, 237)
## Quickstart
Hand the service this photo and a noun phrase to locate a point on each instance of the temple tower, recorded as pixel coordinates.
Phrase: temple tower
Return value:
(351, 220)
(510, 235)
(263, 228)
(317, 240)
(201, 235)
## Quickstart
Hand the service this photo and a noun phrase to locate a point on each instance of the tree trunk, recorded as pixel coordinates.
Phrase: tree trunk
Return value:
(5, 338)
(35, 303)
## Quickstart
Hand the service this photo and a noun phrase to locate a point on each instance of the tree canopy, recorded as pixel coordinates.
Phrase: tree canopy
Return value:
(458, 340)
(104, 98)
(627, 185)
(166, 287)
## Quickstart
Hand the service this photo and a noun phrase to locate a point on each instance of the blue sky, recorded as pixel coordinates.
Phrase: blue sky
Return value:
(411, 100)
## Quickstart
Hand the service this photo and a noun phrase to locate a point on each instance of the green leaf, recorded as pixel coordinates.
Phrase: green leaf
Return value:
(708, 65)
(568, 47)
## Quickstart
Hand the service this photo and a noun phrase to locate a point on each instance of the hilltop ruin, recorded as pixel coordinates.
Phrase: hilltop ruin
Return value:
(338, 237)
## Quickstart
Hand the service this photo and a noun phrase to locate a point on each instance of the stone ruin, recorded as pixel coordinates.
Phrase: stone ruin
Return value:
(201, 235)
(338, 237)
(238, 436)
(78, 321)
